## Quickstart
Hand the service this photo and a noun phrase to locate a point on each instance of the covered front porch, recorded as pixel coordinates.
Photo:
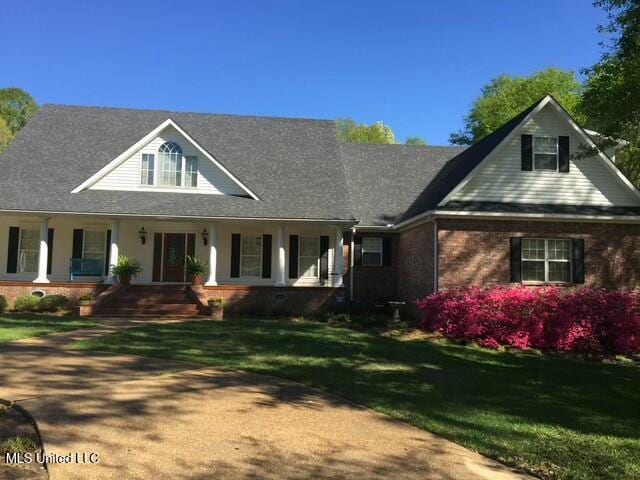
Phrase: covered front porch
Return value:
(57, 248)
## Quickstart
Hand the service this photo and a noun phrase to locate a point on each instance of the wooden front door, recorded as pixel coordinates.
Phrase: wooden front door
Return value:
(174, 257)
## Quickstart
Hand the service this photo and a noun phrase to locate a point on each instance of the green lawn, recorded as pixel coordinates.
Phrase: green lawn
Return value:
(557, 418)
(15, 327)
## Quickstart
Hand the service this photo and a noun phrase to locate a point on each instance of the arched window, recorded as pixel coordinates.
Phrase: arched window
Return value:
(170, 164)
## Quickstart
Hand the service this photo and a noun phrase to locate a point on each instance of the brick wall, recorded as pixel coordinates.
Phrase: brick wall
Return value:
(373, 284)
(476, 252)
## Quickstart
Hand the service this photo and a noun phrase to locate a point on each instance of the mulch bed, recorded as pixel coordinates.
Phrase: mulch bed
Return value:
(14, 424)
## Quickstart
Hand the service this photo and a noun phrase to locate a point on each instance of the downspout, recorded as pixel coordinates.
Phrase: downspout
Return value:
(351, 263)
(435, 255)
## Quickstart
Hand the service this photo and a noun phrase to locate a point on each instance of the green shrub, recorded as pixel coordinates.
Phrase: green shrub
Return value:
(19, 445)
(53, 303)
(3, 304)
(85, 298)
(26, 303)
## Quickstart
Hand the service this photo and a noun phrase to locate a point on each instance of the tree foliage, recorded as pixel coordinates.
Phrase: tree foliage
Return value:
(611, 97)
(5, 134)
(505, 96)
(16, 108)
(418, 141)
(349, 131)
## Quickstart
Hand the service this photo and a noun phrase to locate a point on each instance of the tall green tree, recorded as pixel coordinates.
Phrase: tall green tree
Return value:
(506, 96)
(16, 107)
(5, 134)
(611, 97)
(349, 131)
(417, 141)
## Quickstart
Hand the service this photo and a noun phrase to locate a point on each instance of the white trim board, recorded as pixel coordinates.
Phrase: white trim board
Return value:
(144, 141)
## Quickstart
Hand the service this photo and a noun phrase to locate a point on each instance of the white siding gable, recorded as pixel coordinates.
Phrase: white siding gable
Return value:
(211, 179)
(589, 181)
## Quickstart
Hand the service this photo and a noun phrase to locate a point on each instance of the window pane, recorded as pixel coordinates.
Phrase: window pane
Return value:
(371, 258)
(251, 266)
(29, 239)
(559, 272)
(146, 174)
(545, 161)
(532, 249)
(309, 266)
(191, 171)
(251, 256)
(310, 246)
(533, 271)
(170, 169)
(559, 250)
(371, 244)
(251, 245)
(545, 144)
(29, 251)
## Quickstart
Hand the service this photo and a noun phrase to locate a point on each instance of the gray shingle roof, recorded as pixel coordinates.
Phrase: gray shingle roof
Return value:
(384, 180)
(293, 165)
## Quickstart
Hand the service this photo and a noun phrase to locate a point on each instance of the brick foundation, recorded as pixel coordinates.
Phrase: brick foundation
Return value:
(264, 300)
(12, 290)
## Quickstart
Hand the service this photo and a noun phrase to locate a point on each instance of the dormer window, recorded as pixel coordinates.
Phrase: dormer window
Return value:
(545, 153)
(173, 169)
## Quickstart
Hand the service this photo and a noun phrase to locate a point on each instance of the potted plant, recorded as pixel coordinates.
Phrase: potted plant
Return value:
(217, 308)
(85, 300)
(196, 269)
(125, 269)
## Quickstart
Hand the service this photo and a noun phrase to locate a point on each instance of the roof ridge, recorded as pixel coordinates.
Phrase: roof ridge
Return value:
(170, 112)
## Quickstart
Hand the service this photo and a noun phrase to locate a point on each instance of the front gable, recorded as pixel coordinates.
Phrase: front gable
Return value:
(130, 170)
(592, 180)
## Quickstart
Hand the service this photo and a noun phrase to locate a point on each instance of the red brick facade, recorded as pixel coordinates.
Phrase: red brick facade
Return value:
(476, 252)
(12, 290)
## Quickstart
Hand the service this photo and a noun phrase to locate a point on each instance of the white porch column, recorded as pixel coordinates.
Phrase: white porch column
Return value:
(280, 280)
(44, 252)
(213, 255)
(113, 249)
(338, 258)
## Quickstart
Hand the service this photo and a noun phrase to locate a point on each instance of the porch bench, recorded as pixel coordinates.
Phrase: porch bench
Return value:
(85, 267)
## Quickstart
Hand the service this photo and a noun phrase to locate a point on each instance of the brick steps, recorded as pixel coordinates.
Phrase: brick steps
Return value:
(149, 301)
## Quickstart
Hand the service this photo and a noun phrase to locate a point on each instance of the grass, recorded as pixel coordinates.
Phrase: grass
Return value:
(19, 445)
(17, 326)
(557, 418)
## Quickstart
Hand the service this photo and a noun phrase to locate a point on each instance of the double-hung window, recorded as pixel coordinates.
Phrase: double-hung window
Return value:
(94, 245)
(545, 153)
(147, 169)
(372, 251)
(190, 171)
(546, 260)
(251, 256)
(28, 251)
(309, 258)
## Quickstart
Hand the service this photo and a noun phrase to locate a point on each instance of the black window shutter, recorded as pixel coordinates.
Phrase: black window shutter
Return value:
(324, 257)
(157, 257)
(527, 152)
(563, 154)
(386, 251)
(266, 256)
(12, 254)
(235, 255)
(516, 259)
(50, 251)
(78, 239)
(107, 253)
(357, 250)
(293, 256)
(578, 260)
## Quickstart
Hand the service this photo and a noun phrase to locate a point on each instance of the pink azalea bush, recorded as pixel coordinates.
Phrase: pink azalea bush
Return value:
(585, 320)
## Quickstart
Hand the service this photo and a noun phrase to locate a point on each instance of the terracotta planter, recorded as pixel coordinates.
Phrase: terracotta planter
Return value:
(217, 312)
(124, 279)
(197, 280)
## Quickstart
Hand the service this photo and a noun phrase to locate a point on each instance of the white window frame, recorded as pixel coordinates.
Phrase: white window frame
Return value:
(143, 170)
(316, 239)
(546, 261)
(242, 255)
(157, 174)
(21, 250)
(546, 153)
(371, 250)
(194, 159)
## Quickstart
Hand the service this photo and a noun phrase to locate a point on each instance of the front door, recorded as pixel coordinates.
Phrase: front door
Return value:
(174, 257)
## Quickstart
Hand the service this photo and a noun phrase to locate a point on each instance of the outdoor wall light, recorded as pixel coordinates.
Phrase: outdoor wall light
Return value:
(205, 237)
(142, 233)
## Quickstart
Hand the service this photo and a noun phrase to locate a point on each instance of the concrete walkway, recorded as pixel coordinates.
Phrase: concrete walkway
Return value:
(148, 418)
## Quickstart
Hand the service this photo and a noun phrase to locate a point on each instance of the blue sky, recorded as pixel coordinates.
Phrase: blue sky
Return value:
(416, 65)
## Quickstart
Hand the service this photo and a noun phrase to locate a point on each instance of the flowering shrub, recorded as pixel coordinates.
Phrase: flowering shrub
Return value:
(586, 320)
